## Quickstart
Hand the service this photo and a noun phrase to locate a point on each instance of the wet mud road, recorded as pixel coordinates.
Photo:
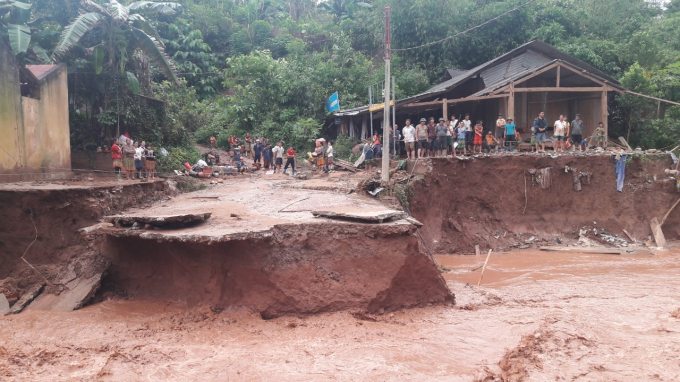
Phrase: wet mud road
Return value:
(538, 316)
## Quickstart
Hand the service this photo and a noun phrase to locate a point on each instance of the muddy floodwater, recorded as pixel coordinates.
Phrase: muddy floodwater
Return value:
(538, 316)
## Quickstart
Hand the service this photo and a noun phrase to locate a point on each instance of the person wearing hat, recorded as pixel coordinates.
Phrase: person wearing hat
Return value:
(421, 135)
(440, 131)
(510, 138)
(500, 130)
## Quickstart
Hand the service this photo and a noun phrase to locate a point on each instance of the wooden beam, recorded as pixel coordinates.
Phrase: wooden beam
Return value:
(445, 109)
(532, 75)
(654, 98)
(511, 102)
(453, 101)
(552, 89)
(558, 74)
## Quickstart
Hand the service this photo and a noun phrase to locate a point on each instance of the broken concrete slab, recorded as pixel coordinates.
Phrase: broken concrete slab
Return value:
(81, 280)
(413, 221)
(4, 304)
(26, 299)
(166, 221)
(363, 216)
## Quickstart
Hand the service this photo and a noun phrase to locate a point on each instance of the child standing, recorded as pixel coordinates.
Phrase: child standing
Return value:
(150, 161)
(479, 129)
(461, 137)
(129, 158)
(329, 155)
(139, 153)
(532, 142)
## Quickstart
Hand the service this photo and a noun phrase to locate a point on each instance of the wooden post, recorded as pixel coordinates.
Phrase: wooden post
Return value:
(558, 76)
(511, 102)
(445, 109)
(605, 117)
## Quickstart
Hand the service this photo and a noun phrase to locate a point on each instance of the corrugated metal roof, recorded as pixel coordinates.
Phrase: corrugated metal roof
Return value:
(499, 71)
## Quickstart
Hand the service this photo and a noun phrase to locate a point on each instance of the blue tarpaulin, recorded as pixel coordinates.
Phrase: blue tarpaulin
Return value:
(620, 172)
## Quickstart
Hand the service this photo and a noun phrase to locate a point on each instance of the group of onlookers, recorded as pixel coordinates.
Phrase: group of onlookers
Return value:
(137, 158)
(454, 137)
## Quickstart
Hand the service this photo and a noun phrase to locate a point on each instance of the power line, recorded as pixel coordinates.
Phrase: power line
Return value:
(467, 30)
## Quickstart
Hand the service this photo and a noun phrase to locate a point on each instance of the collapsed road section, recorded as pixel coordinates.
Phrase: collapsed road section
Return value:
(251, 253)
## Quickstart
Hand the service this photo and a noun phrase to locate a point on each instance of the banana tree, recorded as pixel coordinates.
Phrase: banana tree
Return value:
(13, 18)
(115, 19)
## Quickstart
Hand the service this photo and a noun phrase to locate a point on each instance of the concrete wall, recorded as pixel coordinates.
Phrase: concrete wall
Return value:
(46, 127)
(11, 121)
(34, 133)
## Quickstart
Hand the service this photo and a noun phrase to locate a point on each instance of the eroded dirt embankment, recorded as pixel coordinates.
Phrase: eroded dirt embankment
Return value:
(57, 211)
(482, 201)
(291, 269)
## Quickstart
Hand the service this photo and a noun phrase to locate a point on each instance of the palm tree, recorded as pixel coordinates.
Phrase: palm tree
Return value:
(115, 18)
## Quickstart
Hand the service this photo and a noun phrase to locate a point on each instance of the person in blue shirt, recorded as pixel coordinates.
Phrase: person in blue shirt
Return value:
(510, 140)
(266, 156)
(257, 151)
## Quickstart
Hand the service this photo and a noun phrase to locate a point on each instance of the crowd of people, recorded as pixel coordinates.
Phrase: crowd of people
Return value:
(460, 137)
(264, 155)
(137, 159)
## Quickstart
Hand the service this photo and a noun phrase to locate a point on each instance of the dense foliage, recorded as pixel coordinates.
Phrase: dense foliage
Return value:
(226, 67)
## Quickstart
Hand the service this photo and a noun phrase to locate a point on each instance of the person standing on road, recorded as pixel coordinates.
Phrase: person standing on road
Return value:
(129, 158)
(461, 137)
(560, 127)
(431, 137)
(421, 134)
(409, 133)
(257, 151)
(266, 157)
(469, 134)
(278, 156)
(510, 137)
(290, 161)
(479, 129)
(540, 127)
(117, 157)
(367, 150)
(330, 155)
(500, 130)
(577, 131)
(440, 144)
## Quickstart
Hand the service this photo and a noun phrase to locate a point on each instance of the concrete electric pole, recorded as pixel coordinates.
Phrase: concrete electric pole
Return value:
(386, 113)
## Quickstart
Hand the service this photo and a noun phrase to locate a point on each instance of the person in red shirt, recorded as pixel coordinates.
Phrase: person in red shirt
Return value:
(117, 157)
(291, 160)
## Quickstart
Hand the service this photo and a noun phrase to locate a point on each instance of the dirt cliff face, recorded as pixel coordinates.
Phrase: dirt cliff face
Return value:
(482, 201)
(293, 269)
(57, 212)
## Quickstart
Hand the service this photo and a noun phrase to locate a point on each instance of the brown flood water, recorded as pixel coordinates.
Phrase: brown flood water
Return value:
(544, 316)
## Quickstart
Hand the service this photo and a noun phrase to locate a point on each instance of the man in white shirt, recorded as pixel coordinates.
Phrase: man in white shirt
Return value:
(468, 131)
(451, 134)
(278, 156)
(409, 134)
(500, 130)
(560, 127)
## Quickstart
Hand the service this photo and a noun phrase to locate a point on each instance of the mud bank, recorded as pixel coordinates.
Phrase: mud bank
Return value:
(56, 211)
(289, 269)
(481, 201)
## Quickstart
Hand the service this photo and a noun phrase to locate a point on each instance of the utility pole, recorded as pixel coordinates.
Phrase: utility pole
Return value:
(394, 115)
(386, 113)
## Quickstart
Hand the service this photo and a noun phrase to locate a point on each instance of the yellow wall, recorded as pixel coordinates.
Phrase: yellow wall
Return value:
(46, 126)
(11, 123)
(34, 133)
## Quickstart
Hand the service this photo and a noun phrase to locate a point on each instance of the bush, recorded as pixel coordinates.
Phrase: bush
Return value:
(176, 157)
(343, 146)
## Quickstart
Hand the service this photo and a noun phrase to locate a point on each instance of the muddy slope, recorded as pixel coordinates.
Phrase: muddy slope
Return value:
(292, 269)
(482, 201)
(57, 212)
